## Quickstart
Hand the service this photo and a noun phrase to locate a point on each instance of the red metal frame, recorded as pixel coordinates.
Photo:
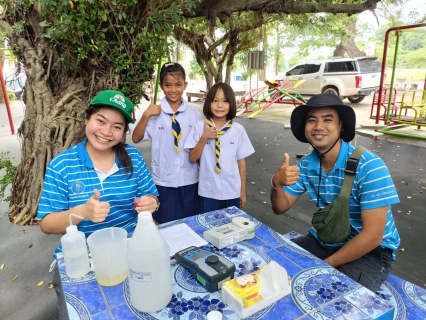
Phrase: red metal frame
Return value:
(6, 100)
(384, 103)
(275, 97)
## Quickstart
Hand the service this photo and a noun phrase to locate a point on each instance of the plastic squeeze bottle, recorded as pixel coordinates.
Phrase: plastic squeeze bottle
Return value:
(74, 249)
(148, 259)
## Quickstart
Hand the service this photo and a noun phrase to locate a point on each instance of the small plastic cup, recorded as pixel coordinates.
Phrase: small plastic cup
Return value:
(214, 315)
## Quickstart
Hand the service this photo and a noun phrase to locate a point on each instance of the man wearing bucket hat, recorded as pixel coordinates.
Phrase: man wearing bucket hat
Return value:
(97, 179)
(328, 126)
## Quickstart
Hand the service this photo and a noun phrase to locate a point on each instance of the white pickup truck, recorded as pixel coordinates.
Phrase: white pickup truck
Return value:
(352, 78)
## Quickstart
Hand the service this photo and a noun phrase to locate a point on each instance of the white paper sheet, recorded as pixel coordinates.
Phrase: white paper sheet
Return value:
(180, 237)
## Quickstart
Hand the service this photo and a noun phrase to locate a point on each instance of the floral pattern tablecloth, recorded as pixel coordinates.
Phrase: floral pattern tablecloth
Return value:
(318, 291)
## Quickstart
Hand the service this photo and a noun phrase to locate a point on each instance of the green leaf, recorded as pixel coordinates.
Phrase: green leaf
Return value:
(14, 278)
(175, 18)
(44, 23)
(157, 26)
(2, 267)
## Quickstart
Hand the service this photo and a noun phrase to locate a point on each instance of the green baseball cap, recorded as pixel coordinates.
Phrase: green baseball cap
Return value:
(114, 99)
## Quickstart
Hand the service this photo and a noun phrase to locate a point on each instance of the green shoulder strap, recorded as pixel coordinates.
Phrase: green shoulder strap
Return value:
(350, 171)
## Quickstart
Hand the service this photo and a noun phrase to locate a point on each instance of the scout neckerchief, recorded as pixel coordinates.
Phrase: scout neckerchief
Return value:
(217, 140)
(177, 133)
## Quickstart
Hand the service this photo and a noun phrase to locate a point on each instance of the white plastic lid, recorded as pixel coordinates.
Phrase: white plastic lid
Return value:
(214, 315)
(71, 229)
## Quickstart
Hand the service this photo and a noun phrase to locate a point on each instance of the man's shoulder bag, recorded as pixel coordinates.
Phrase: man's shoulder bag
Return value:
(332, 222)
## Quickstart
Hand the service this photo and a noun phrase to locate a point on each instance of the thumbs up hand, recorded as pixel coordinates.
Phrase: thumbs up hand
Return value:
(153, 109)
(286, 174)
(95, 210)
(209, 132)
(286, 161)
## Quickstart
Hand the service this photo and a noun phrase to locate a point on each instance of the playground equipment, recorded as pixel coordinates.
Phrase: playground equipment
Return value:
(246, 100)
(386, 97)
(411, 102)
(274, 92)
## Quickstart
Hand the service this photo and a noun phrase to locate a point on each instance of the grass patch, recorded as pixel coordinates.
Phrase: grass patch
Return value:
(409, 74)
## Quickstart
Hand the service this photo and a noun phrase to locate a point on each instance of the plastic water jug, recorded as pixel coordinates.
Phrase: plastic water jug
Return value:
(74, 249)
(108, 250)
(148, 259)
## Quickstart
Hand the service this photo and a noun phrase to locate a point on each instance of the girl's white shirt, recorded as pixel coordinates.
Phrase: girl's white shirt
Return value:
(234, 145)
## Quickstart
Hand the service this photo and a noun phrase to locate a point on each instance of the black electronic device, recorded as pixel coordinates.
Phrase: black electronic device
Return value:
(209, 269)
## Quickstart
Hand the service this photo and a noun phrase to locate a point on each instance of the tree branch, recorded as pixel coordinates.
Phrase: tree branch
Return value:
(222, 8)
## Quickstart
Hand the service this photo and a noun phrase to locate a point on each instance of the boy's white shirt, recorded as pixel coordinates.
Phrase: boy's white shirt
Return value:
(169, 168)
(234, 145)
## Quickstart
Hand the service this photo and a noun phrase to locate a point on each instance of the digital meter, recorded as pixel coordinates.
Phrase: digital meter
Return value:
(239, 229)
(208, 268)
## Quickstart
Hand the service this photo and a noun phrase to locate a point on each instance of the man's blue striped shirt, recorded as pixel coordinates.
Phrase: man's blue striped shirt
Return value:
(372, 188)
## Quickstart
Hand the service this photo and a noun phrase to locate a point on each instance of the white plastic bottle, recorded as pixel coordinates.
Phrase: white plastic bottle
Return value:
(74, 249)
(148, 259)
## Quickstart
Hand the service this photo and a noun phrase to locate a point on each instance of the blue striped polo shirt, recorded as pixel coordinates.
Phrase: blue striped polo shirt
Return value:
(372, 188)
(71, 178)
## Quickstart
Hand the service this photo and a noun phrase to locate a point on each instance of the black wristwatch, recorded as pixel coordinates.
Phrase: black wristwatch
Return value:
(156, 199)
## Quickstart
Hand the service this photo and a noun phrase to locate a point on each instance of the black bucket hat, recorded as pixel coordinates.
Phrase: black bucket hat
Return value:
(346, 114)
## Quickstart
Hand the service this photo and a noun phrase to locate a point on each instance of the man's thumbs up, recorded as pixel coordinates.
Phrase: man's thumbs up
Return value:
(287, 174)
(286, 159)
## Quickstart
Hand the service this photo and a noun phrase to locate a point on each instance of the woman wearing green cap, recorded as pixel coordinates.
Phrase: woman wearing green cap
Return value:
(99, 177)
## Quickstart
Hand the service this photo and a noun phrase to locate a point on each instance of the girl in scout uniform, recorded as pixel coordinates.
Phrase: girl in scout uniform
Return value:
(221, 146)
(168, 126)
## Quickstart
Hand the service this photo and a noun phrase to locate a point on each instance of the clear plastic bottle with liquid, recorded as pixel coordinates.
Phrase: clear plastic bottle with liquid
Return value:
(148, 260)
(74, 249)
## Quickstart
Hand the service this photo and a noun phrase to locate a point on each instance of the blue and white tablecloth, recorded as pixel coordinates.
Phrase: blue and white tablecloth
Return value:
(318, 291)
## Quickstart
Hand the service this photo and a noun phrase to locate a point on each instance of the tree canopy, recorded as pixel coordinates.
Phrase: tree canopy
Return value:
(71, 50)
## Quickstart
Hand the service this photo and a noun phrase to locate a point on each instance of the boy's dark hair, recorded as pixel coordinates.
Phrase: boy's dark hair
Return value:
(171, 67)
(121, 152)
(229, 95)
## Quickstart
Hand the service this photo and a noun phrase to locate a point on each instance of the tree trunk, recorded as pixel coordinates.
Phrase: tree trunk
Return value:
(339, 51)
(208, 77)
(352, 49)
(229, 69)
(209, 80)
(54, 117)
(277, 51)
(349, 46)
(51, 124)
(233, 44)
